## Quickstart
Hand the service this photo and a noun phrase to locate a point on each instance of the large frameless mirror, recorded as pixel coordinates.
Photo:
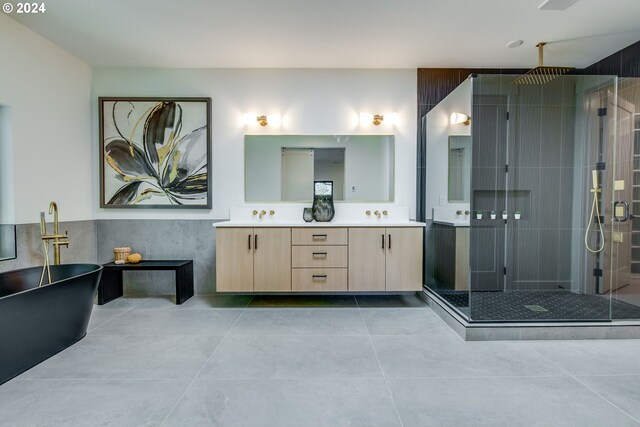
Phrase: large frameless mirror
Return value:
(7, 215)
(283, 168)
(459, 188)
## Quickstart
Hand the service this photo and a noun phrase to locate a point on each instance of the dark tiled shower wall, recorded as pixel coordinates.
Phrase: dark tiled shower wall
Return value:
(93, 241)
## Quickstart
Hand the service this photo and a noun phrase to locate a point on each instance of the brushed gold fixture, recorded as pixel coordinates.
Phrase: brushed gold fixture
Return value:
(460, 118)
(467, 212)
(57, 238)
(272, 212)
(255, 212)
(458, 212)
(377, 213)
(541, 74)
(377, 119)
(367, 213)
(262, 213)
(262, 120)
(384, 213)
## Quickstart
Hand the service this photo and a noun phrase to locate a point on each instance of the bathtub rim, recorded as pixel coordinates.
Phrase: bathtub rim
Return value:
(93, 271)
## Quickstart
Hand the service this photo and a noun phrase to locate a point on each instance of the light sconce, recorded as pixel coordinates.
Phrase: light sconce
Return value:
(262, 120)
(457, 118)
(378, 119)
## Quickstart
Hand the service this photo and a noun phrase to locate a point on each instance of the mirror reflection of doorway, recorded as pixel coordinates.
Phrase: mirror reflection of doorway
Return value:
(302, 166)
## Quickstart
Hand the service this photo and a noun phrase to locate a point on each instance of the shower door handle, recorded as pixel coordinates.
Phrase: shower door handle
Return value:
(625, 211)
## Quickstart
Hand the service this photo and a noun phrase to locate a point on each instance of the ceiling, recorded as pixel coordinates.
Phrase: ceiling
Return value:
(334, 33)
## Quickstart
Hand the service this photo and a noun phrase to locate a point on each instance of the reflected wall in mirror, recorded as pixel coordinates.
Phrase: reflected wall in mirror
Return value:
(459, 187)
(7, 214)
(284, 167)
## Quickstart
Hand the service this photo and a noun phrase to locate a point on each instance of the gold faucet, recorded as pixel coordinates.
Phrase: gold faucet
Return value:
(262, 213)
(377, 213)
(58, 239)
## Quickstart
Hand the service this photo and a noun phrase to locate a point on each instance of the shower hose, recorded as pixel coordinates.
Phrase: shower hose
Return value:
(594, 207)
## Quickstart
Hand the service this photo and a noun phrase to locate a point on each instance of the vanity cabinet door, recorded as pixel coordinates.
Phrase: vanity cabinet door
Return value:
(272, 260)
(404, 259)
(234, 259)
(367, 259)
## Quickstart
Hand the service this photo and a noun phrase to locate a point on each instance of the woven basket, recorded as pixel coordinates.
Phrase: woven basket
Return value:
(121, 254)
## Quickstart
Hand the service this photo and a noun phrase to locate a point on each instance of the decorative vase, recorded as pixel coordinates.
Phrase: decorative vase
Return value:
(516, 215)
(504, 215)
(478, 215)
(323, 210)
(307, 214)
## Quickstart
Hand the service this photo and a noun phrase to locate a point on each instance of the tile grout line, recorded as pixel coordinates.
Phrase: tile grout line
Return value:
(575, 378)
(375, 353)
(175, 405)
(115, 317)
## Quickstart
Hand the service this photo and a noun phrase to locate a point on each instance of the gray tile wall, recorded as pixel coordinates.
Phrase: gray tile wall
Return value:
(161, 239)
(93, 242)
(82, 247)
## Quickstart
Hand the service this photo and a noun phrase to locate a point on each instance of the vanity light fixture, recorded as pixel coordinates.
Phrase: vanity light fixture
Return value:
(262, 120)
(378, 119)
(457, 118)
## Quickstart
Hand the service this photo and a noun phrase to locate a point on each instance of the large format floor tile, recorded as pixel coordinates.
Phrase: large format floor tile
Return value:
(292, 357)
(509, 402)
(300, 321)
(86, 403)
(404, 321)
(295, 403)
(100, 317)
(420, 356)
(198, 302)
(621, 390)
(128, 356)
(593, 357)
(170, 322)
(122, 303)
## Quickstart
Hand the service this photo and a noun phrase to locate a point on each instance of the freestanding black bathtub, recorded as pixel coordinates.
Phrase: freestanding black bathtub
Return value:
(36, 323)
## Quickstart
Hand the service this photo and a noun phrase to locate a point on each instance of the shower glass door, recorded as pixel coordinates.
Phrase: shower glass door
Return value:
(623, 264)
(535, 150)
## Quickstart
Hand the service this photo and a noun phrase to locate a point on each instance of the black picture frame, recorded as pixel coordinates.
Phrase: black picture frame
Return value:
(179, 194)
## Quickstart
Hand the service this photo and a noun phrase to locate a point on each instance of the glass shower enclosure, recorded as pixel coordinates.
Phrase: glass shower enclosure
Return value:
(551, 227)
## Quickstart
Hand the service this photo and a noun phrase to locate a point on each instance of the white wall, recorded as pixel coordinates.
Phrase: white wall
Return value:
(49, 93)
(438, 130)
(310, 102)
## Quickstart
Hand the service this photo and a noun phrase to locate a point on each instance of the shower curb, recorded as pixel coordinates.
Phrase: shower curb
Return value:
(530, 331)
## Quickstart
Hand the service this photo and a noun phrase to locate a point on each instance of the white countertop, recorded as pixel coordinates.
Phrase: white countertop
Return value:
(268, 223)
(453, 222)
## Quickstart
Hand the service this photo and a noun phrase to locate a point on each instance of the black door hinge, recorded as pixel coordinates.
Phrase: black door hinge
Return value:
(507, 115)
(597, 272)
(602, 112)
(506, 168)
(504, 270)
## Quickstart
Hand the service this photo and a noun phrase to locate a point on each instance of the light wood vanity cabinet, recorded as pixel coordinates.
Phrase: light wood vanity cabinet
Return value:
(385, 259)
(319, 259)
(253, 259)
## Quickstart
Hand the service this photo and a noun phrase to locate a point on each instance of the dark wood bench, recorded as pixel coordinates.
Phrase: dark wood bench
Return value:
(111, 283)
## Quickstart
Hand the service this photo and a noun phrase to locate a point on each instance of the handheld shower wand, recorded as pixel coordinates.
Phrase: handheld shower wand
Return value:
(596, 189)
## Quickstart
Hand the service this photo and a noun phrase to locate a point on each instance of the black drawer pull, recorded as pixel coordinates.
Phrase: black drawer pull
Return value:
(319, 236)
(319, 254)
(319, 276)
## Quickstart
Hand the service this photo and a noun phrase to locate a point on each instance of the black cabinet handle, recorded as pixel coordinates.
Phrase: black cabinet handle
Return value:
(319, 276)
(319, 236)
(319, 254)
(255, 241)
(249, 241)
(383, 241)
(389, 241)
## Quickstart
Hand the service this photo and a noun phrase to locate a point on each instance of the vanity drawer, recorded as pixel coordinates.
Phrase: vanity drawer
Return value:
(319, 236)
(319, 256)
(318, 279)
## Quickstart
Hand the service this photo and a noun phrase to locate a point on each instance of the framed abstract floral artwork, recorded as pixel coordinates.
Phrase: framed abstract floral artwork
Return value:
(155, 152)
